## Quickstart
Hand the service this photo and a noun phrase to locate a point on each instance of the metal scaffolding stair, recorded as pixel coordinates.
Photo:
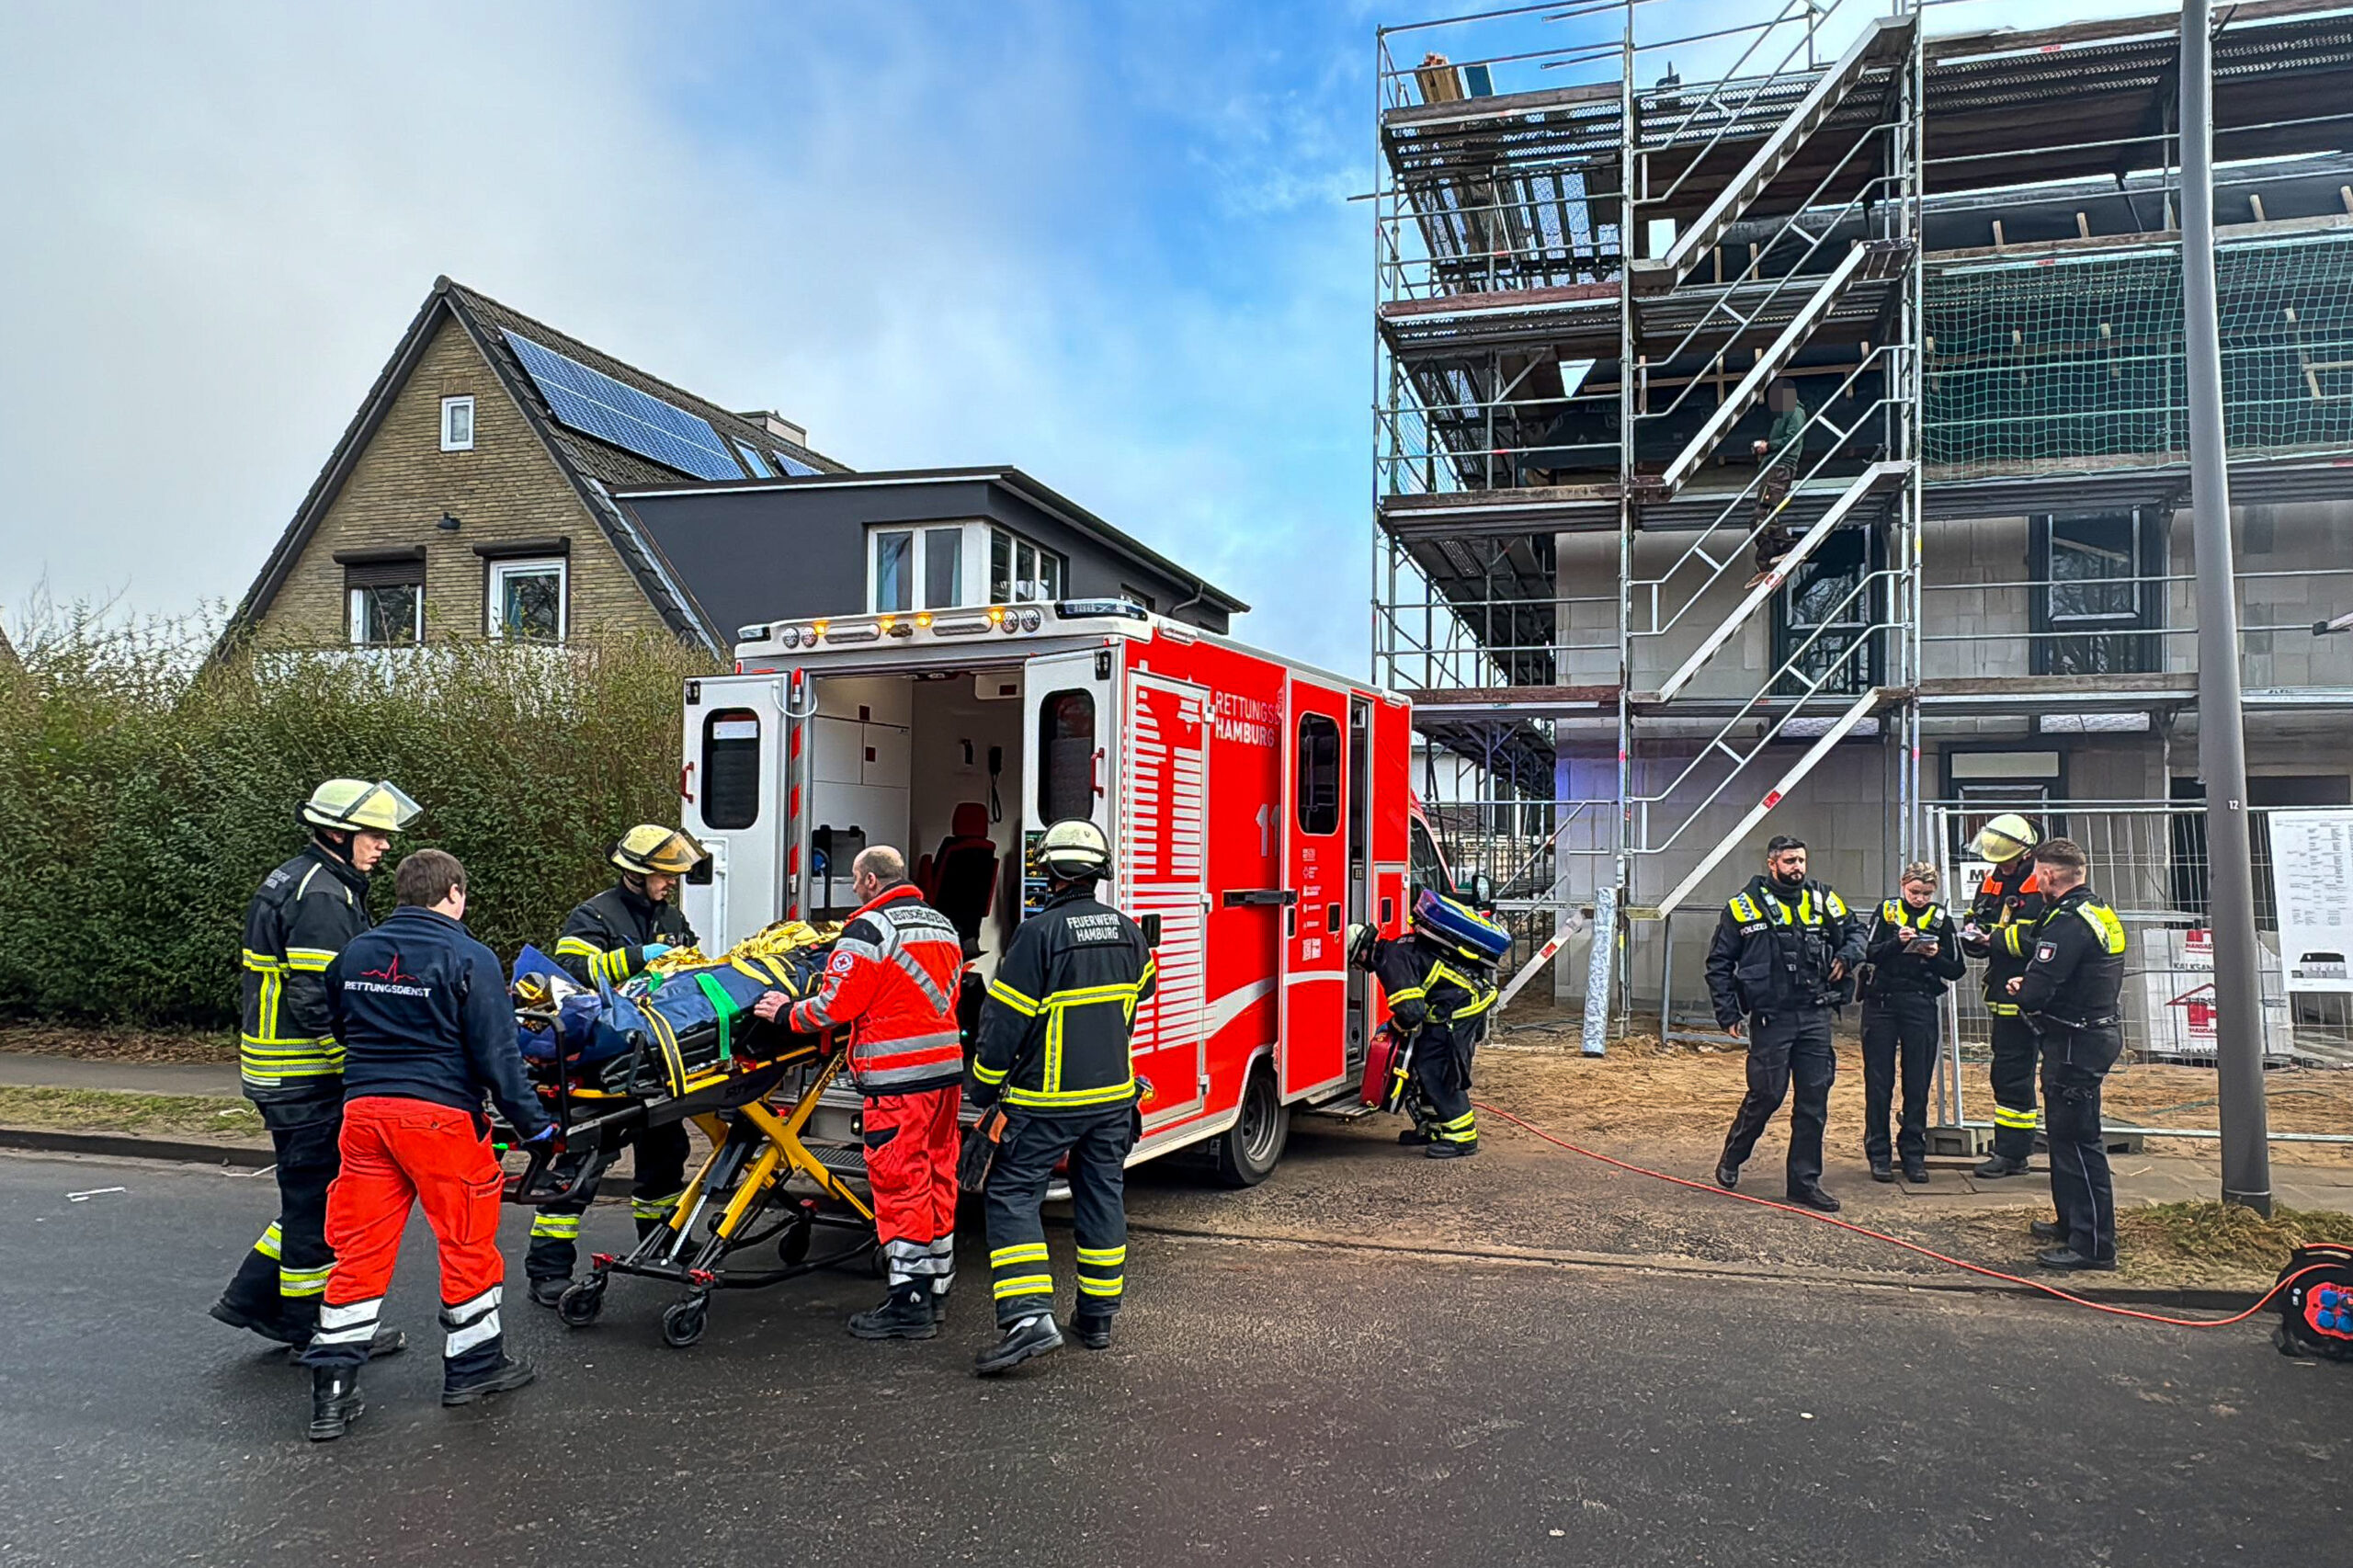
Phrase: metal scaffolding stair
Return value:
(1871, 260)
(1866, 485)
(1886, 41)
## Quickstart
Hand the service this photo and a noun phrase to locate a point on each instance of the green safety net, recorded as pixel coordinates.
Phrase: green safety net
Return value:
(2074, 362)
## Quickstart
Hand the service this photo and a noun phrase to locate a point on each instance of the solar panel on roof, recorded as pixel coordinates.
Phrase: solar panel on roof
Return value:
(792, 468)
(751, 461)
(594, 405)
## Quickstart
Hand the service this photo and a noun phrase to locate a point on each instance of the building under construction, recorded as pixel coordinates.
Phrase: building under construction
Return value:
(1782, 427)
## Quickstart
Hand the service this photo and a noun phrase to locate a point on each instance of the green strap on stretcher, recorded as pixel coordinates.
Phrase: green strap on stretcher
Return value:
(724, 1006)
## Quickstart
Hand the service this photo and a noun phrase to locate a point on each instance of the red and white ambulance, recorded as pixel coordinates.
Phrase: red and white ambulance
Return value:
(1255, 806)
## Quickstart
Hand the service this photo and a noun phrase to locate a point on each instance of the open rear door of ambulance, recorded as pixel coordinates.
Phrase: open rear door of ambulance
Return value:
(740, 790)
(1315, 860)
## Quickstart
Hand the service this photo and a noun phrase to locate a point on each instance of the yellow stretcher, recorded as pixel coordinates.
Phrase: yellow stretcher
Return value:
(754, 1112)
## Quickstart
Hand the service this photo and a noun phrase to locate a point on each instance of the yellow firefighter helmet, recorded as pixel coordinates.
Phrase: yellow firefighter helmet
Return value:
(2004, 838)
(354, 805)
(649, 848)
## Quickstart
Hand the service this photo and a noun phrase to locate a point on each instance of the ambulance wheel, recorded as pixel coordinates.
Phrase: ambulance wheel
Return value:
(582, 1304)
(683, 1322)
(1247, 1154)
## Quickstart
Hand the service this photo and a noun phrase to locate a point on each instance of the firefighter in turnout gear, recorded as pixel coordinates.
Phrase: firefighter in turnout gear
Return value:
(1440, 987)
(892, 982)
(2069, 993)
(609, 937)
(1054, 1038)
(1999, 929)
(304, 914)
(423, 1012)
(1783, 951)
(1911, 955)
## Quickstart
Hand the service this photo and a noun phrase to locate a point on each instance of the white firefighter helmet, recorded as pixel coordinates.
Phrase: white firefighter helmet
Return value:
(649, 848)
(354, 805)
(2004, 838)
(1073, 850)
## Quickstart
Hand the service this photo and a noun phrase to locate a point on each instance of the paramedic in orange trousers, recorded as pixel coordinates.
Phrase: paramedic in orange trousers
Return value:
(893, 979)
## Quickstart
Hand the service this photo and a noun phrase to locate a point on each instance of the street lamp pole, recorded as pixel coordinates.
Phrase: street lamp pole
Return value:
(2222, 738)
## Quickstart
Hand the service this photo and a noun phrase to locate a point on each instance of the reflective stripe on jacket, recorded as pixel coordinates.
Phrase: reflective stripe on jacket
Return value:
(304, 914)
(1061, 1012)
(605, 936)
(892, 977)
(1424, 987)
(2006, 908)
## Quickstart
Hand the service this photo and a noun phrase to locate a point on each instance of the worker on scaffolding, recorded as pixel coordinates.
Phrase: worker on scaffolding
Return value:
(1911, 955)
(1779, 455)
(1783, 956)
(2000, 929)
(2069, 996)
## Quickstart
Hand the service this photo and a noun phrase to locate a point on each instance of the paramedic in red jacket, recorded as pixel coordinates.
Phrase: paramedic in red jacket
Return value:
(893, 981)
(421, 1012)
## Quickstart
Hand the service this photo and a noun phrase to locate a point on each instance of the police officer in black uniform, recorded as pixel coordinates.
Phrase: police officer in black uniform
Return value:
(1783, 951)
(304, 914)
(1054, 1038)
(2002, 918)
(610, 936)
(2069, 995)
(1439, 995)
(1911, 955)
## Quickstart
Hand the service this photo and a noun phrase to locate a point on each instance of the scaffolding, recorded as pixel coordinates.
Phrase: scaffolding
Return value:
(1678, 382)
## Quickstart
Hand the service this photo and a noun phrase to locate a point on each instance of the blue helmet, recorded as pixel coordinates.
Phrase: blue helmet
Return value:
(1458, 927)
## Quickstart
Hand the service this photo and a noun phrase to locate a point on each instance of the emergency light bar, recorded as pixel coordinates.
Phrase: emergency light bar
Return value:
(1005, 619)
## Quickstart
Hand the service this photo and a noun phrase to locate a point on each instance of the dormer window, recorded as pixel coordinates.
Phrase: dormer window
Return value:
(457, 424)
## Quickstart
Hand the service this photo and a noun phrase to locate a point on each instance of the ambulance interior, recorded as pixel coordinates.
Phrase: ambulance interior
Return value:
(934, 764)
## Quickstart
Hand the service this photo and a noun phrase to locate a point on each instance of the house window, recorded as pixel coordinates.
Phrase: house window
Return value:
(1137, 597)
(385, 599)
(1319, 774)
(457, 424)
(2095, 574)
(943, 568)
(1824, 620)
(1020, 571)
(910, 569)
(527, 600)
(893, 571)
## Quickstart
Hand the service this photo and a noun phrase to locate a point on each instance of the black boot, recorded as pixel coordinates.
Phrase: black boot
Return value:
(2048, 1231)
(506, 1374)
(905, 1313)
(1917, 1172)
(1414, 1137)
(547, 1292)
(1727, 1174)
(237, 1317)
(1092, 1330)
(1882, 1171)
(2068, 1260)
(1815, 1198)
(1031, 1336)
(1997, 1166)
(1442, 1150)
(335, 1401)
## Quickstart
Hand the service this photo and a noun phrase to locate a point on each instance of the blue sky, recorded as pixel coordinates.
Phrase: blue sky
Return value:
(1109, 243)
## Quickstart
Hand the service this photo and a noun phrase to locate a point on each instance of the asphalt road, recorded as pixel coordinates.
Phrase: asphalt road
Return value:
(1266, 1404)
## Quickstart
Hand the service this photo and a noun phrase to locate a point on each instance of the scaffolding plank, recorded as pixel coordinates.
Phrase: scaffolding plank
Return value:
(1865, 483)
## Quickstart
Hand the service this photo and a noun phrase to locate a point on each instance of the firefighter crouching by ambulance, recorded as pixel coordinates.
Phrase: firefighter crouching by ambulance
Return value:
(2001, 918)
(306, 912)
(609, 937)
(892, 982)
(2068, 995)
(1440, 984)
(1054, 1048)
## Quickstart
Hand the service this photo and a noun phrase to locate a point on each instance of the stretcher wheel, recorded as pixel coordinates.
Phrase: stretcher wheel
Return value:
(582, 1303)
(683, 1322)
(794, 1247)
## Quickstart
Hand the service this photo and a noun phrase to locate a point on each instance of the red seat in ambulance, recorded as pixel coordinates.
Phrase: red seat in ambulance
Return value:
(960, 877)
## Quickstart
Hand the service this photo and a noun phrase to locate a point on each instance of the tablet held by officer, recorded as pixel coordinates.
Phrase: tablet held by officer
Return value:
(1783, 956)
(1054, 1047)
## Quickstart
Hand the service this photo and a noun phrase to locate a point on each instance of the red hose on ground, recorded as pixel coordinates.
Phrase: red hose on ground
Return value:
(2261, 1301)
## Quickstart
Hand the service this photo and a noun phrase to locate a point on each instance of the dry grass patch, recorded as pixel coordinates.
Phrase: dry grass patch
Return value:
(96, 1110)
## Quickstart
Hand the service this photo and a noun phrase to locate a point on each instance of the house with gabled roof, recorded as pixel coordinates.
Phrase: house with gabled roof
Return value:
(473, 493)
(504, 479)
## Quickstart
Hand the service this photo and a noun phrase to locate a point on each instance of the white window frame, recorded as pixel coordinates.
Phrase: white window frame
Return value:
(874, 537)
(355, 614)
(449, 406)
(504, 567)
(968, 540)
(1039, 555)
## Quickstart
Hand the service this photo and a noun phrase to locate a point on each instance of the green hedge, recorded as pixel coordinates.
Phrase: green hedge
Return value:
(144, 792)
